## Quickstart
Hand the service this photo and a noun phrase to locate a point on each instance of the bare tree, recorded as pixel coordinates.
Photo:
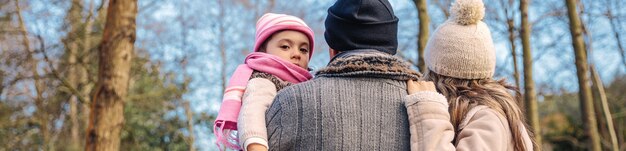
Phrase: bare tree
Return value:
(189, 116)
(597, 82)
(614, 28)
(222, 45)
(424, 22)
(188, 113)
(586, 101)
(74, 17)
(606, 129)
(42, 117)
(91, 43)
(115, 56)
(530, 96)
(509, 15)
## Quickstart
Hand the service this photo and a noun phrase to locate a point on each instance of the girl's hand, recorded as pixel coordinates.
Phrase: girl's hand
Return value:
(256, 147)
(416, 86)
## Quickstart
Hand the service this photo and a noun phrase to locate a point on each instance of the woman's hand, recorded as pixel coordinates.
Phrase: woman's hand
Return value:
(256, 147)
(416, 86)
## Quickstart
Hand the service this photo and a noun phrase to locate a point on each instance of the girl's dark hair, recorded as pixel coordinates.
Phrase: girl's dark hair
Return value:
(263, 47)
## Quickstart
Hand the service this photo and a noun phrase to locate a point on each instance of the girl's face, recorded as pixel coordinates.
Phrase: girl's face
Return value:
(292, 46)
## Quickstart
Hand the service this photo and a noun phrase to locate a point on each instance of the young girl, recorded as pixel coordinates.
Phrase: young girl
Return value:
(283, 47)
(472, 111)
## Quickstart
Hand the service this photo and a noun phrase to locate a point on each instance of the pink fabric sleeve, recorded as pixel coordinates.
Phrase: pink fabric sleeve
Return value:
(257, 98)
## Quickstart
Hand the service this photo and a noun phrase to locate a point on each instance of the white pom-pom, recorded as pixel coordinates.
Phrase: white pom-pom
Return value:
(466, 12)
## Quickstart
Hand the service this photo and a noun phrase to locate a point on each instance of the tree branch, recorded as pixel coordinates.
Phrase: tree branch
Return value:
(56, 75)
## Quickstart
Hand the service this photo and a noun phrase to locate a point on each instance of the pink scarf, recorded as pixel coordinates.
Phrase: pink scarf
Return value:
(226, 120)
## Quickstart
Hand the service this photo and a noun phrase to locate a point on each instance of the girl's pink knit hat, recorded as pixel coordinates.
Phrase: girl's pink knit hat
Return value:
(270, 23)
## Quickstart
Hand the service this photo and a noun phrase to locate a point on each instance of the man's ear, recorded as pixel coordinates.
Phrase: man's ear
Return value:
(332, 52)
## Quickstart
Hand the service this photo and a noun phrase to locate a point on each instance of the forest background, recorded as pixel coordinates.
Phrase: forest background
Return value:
(60, 60)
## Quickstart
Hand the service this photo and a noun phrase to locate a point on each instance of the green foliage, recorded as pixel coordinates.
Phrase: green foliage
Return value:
(152, 119)
(561, 124)
(155, 118)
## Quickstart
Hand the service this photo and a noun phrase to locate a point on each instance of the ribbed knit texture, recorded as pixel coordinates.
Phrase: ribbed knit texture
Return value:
(462, 46)
(259, 94)
(358, 111)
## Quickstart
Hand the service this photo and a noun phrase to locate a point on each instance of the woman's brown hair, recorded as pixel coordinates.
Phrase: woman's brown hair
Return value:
(463, 95)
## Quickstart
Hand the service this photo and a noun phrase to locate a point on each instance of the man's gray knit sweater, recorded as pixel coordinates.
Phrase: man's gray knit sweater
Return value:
(355, 103)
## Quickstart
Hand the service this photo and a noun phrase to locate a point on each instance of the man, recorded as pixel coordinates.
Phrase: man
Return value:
(356, 101)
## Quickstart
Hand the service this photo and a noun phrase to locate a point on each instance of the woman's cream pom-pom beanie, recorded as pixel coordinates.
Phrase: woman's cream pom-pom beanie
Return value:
(462, 46)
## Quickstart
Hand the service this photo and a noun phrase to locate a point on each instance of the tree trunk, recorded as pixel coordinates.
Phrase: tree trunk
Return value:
(189, 115)
(597, 82)
(85, 108)
(83, 75)
(41, 115)
(75, 138)
(222, 46)
(620, 129)
(597, 92)
(115, 56)
(511, 29)
(603, 131)
(530, 97)
(74, 16)
(422, 37)
(586, 101)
